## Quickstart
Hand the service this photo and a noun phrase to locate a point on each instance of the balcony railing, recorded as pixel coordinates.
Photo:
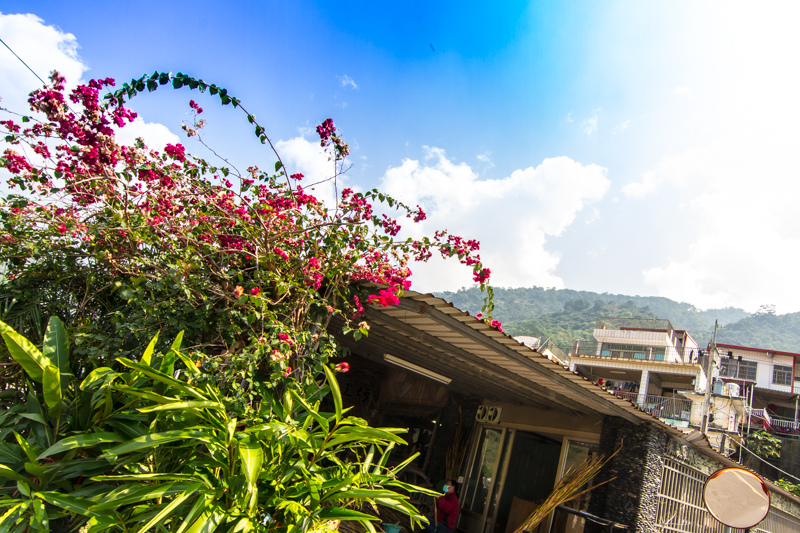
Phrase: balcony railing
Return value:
(640, 324)
(660, 406)
(760, 418)
(643, 353)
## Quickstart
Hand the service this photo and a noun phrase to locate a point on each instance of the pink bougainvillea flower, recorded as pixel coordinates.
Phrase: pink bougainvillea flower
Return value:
(482, 275)
(287, 372)
(238, 291)
(342, 367)
(254, 291)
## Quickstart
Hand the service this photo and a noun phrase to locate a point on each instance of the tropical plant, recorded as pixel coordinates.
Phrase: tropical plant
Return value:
(246, 270)
(124, 241)
(763, 444)
(149, 451)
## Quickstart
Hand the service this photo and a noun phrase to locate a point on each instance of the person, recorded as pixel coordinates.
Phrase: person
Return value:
(446, 511)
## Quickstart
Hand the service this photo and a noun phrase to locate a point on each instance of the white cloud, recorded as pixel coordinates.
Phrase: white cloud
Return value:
(308, 158)
(739, 241)
(155, 135)
(622, 126)
(568, 118)
(46, 48)
(486, 159)
(346, 80)
(43, 48)
(513, 217)
(682, 91)
(589, 125)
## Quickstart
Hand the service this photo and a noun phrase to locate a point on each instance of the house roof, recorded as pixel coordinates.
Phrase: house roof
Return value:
(762, 350)
(431, 332)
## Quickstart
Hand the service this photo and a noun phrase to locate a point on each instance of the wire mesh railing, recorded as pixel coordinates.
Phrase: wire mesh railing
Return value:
(660, 406)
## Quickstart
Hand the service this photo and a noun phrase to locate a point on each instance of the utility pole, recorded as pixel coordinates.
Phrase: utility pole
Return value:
(712, 351)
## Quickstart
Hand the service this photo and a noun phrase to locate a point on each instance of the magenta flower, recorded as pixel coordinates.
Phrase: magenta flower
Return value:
(342, 367)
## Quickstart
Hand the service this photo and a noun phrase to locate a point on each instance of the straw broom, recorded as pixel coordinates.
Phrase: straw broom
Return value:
(568, 488)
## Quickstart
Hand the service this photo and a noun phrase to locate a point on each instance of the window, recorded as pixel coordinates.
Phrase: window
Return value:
(735, 369)
(781, 375)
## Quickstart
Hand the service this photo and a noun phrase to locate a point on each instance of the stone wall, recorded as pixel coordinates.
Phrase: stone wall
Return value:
(631, 498)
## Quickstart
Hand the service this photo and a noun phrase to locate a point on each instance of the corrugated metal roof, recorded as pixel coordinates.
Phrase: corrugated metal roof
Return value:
(495, 356)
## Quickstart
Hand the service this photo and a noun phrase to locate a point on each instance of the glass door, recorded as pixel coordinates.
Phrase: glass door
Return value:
(483, 482)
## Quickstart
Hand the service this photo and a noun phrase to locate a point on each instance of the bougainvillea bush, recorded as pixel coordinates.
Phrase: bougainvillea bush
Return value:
(123, 242)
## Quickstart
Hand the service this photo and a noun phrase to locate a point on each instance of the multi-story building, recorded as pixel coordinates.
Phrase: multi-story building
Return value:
(661, 370)
(769, 382)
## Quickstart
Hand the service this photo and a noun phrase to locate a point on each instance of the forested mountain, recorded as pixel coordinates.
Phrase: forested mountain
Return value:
(564, 315)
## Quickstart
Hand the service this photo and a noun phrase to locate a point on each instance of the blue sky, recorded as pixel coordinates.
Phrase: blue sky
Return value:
(621, 146)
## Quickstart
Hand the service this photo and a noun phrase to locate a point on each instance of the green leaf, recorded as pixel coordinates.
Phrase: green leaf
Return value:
(6, 472)
(335, 392)
(80, 441)
(151, 440)
(98, 374)
(137, 493)
(24, 352)
(207, 522)
(51, 385)
(147, 356)
(71, 503)
(163, 378)
(56, 345)
(252, 456)
(165, 512)
(360, 494)
(182, 405)
(339, 513)
(278, 165)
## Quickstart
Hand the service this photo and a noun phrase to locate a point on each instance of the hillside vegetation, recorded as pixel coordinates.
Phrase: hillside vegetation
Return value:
(563, 315)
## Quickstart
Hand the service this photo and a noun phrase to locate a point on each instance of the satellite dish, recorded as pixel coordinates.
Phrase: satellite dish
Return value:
(736, 497)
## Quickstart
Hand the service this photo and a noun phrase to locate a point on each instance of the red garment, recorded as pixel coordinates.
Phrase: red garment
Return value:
(447, 509)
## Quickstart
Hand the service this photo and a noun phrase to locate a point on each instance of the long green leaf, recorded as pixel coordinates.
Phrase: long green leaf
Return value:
(183, 405)
(80, 441)
(207, 522)
(56, 344)
(102, 373)
(335, 392)
(139, 493)
(169, 508)
(163, 378)
(51, 385)
(339, 513)
(252, 456)
(24, 352)
(147, 356)
(6, 472)
(154, 477)
(71, 503)
(156, 439)
(322, 421)
(359, 494)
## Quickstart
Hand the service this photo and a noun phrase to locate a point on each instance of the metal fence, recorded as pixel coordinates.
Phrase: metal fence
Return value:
(681, 509)
(645, 324)
(660, 406)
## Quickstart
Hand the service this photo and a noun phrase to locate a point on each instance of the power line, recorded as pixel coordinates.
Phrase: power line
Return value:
(23, 62)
